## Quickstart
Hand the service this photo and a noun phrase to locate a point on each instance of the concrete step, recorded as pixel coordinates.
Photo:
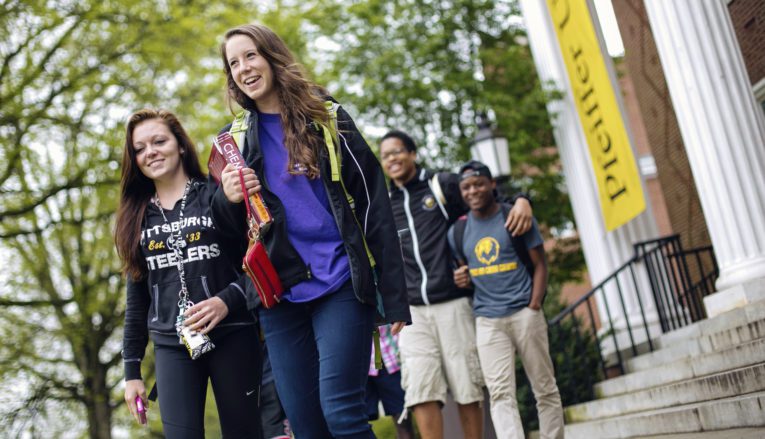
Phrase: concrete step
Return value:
(731, 319)
(719, 340)
(743, 411)
(722, 385)
(735, 433)
(746, 354)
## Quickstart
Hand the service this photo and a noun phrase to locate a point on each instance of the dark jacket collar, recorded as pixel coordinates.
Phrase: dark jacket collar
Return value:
(421, 174)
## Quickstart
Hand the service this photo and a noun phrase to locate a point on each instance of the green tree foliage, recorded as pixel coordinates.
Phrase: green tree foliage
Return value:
(412, 65)
(70, 72)
(429, 68)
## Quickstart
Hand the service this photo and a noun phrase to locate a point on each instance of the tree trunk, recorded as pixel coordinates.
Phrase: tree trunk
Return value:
(99, 418)
(97, 398)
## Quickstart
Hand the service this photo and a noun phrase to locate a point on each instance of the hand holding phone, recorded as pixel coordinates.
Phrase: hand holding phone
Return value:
(141, 409)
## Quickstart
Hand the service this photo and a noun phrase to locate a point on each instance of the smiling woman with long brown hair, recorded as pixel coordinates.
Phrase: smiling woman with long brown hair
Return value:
(338, 260)
(182, 287)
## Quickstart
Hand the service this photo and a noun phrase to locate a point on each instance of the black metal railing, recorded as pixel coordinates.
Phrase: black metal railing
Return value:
(677, 280)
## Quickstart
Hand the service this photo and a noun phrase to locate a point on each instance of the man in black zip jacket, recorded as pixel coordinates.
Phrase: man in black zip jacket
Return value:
(438, 350)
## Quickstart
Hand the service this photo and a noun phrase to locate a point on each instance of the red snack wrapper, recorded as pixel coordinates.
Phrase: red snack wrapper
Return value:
(225, 151)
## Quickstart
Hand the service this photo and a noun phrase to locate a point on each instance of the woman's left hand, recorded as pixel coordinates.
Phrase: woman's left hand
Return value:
(396, 327)
(205, 315)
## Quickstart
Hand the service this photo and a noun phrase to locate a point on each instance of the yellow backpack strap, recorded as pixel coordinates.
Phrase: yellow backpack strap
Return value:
(332, 140)
(378, 349)
(334, 162)
(371, 258)
(332, 110)
(239, 128)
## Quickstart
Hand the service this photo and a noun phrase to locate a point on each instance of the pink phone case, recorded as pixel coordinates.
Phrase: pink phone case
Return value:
(141, 409)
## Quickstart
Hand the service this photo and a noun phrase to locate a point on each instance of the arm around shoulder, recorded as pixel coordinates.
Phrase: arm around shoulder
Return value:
(520, 218)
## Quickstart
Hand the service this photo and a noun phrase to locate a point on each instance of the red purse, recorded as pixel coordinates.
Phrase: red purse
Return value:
(256, 263)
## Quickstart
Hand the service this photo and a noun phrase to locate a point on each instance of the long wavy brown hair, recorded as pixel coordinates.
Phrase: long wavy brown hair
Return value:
(136, 189)
(301, 100)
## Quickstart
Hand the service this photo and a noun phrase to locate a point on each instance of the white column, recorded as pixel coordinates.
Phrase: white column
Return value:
(604, 252)
(724, 134)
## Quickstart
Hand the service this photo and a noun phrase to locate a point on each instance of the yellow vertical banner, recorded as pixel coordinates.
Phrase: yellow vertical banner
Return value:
(619, 188)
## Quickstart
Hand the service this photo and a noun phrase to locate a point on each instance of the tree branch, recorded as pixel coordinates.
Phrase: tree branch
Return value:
(115, 360)
(73, 183)
(55, 383)
(40, 229)
(24, 44)
(33, 303)
(48, 55)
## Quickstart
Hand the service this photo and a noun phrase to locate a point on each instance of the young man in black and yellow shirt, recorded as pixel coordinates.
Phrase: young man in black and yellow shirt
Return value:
(509, 275)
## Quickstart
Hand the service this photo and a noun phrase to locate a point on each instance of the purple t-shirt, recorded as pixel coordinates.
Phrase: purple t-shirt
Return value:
(311, 228)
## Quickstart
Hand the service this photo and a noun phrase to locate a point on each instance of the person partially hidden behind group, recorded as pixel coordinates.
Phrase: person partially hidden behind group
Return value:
(182, 285)
(319, 336)
(384, 386)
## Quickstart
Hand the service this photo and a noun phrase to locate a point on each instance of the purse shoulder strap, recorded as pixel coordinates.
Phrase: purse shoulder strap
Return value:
(254, 228)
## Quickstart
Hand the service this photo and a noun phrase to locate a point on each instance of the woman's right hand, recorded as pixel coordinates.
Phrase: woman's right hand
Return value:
(233, 188)
(135, 388)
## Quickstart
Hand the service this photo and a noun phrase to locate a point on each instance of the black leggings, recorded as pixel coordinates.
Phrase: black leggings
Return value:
(233, 367)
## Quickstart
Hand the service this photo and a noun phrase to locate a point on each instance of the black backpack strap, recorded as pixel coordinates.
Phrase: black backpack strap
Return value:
(459, 239)
(519, 245)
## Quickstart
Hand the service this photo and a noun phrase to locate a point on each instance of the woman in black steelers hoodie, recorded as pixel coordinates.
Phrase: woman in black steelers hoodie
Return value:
(164, 217)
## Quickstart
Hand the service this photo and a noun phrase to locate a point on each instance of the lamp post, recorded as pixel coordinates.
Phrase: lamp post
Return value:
(490, 148)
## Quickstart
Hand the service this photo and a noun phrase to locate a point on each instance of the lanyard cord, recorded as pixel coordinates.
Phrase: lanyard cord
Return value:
(177, 243)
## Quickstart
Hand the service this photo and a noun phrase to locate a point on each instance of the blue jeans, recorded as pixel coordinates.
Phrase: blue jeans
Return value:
(385, 387)
(319, 351)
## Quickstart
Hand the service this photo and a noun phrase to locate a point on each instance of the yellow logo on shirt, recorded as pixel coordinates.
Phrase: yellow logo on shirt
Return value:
(487, 250)
(493, 269)
(428, 202)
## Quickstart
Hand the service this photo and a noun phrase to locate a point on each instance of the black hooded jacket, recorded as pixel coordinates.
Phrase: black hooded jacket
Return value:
(422, 220)
(364, 179)
(209, 261)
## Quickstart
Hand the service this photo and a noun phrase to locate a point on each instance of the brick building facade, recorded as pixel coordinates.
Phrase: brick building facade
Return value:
(748, 18)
